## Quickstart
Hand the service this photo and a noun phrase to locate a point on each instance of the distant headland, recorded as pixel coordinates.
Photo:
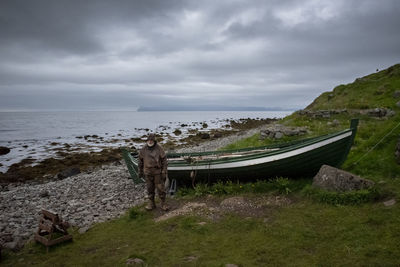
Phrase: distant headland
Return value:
(209, 108)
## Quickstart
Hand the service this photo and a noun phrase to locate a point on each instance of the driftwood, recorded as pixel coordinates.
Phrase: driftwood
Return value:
(49, 224)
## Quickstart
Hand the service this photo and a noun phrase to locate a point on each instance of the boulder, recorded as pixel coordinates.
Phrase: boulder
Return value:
(389, 203)
(69, 172)
(321, 113)
(380, 112)
(83, 229)
(15, 245)
(205, 136)
(277, 131)
(135, 261)
(333, 179)
(396, 94)
(278, 135)
(177, 132)
(4, 150)
(217, 135)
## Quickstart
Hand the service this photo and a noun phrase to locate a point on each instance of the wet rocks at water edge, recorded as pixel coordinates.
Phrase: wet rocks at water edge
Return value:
(277, 131)
(4, 150)
(333, 179)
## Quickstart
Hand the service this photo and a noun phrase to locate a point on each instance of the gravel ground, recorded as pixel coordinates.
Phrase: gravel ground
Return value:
(81, 200)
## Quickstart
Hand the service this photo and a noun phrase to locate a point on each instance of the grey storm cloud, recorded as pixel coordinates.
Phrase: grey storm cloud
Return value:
(123, 54)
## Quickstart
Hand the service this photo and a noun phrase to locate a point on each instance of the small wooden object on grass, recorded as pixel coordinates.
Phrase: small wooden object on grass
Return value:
(50, 223)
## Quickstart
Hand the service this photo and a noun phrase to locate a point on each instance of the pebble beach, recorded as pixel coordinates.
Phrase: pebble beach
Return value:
(82, 200)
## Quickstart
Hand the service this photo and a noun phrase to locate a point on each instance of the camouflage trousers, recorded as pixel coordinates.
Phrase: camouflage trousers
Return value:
(153, 182)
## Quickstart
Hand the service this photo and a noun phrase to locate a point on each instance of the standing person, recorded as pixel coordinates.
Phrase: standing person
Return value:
(153, 166)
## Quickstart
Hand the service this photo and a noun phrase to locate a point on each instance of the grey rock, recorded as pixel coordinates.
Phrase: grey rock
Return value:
(277, 131)
(44, 193)
(6, 237)
(396, 94)
(333, 179)
(217, 135)
(68, 172)
(278, 135)
(190, 258)
(379, 112)
(389, 203)
(205, 136)
(15, 245)
(135, 261)
(4, 150)
(398, 104)
(83, 229)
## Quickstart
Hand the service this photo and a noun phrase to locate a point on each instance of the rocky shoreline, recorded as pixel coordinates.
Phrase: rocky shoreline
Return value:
(84, 199)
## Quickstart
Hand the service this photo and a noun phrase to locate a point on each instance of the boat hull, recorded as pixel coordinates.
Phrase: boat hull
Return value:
(301, 164)
(303, 159)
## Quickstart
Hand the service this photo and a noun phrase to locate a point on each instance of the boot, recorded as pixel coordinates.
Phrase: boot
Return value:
(164, 205)
(150, 205)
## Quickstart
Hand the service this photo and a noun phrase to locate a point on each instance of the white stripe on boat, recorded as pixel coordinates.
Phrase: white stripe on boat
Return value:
(266, 159)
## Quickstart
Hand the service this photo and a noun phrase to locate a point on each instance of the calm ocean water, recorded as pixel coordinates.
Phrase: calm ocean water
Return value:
(38, 135)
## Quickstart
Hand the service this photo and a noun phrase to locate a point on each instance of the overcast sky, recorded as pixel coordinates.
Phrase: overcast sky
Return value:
(124, 54)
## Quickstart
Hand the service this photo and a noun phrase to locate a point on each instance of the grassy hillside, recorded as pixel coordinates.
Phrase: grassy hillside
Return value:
(373, 91)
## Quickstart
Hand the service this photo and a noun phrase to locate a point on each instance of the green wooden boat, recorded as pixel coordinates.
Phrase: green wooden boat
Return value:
(302, 158)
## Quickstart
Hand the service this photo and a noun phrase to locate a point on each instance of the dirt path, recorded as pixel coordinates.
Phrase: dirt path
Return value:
(213, 208)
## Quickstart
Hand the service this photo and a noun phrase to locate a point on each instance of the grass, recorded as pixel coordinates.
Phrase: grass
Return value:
(278, 185)
(302, 234)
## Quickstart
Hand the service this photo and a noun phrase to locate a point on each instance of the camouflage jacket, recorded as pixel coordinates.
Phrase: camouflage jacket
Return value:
(152, 160)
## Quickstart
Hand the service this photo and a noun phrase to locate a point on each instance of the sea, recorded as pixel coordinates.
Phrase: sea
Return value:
(39, 135)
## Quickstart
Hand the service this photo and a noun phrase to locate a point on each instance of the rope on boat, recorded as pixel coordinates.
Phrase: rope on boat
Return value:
(376, 145)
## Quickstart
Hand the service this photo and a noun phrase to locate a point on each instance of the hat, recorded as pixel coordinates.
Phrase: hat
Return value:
(151, 137)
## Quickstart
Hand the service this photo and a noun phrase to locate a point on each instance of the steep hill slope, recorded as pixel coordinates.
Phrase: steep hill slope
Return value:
(371, 91)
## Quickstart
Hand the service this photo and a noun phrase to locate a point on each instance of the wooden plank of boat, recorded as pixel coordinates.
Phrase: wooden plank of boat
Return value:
(220, 156)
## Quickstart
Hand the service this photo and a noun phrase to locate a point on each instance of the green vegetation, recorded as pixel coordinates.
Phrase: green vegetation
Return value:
(278, 185)
(373, 91)
(345, 198)
(317, 228)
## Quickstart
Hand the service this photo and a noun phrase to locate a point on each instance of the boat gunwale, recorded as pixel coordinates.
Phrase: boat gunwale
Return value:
(310, 141)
